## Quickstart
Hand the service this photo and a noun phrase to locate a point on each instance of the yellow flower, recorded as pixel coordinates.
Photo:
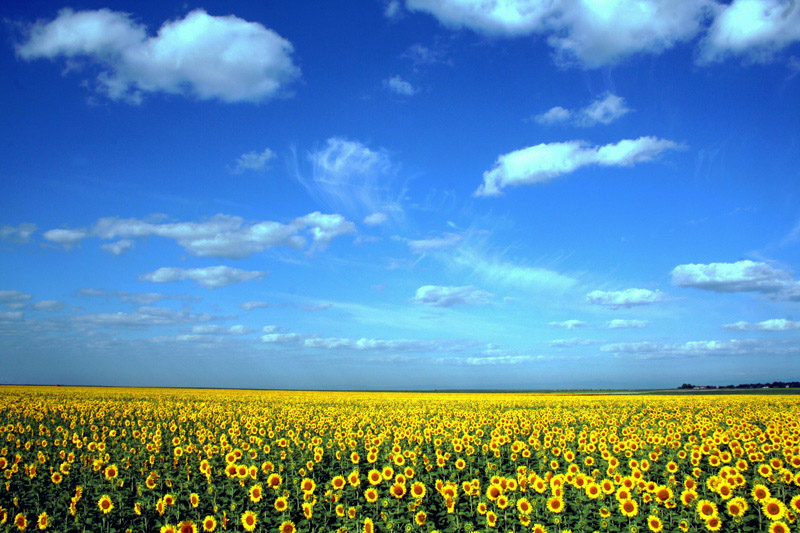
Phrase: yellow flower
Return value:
(105, 504)
(249, 520)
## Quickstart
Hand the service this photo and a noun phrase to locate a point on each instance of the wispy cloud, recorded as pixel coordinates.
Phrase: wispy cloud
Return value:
(209, 277)
(440, 296)
(620, 323)
(747, 347)
(20, 234)
(544, 162)
(398, 85)
(253, 160)
(568, 324)
(208, 57)
(140, 298)
(604, 110)
(775, 324)
(143, 317)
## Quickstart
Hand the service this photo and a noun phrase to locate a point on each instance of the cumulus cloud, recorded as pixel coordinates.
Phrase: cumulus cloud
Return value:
(591, 34)
(568, 324)
(747, 347)
(66, 237)
(253, 161)
(210, 277)
(17, 234)
(440, 296)
(230, 236)
(741, 276)
(117, 248)
(543, 162)
(208, 57)
(49, 305)
(604, 110)
(249, 306)
(435, 243)
(775, 324)
(626, 298)
(619, 323)
(352, 178)
(143, 317)
(375, 219)
(753, 29)
(398, 85)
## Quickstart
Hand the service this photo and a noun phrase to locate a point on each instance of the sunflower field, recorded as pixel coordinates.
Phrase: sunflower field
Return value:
(188, 460)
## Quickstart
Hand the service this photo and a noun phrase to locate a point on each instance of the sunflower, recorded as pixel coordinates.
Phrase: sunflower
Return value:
(760, 493)
(688, 496)
(338, 482)
(629, 508)
(593, 491)
(420, 518)
(187, 526)
(491, 519)
(714, 523)
(209, 524)
(105, 504)
(43, 521)
(524, 506)
(194, 499)
(398, 490)
(418, 490)
(281, 504)
(388, 472)
(706, 509)
(167, 528)
(308, 510)
(287, 527)
(249, 520)
(56, 478)
(654, 524)
(773, 508)
(538, 528)
(493, 491)
(778, 527)
(374, 477)
(256, 493)
(555, 504)
(737, 507)
(481, 508)
(111, 472)
(371, 495)
(21, 522)
(369, 526)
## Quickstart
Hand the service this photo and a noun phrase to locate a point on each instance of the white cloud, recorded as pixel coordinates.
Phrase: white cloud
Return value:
(13, 297)
(626, 298)
(591, 33)
(141, 318)
(119, 247)
(775, 324)
(426, 55)
(229, 236)
(249, 306)
(49, 305)
(619, 323)
(281, 338)
(569, 324)
(11, 316)
(210, 277)
(270, 329)
(65, 237)
(741, 276)
(604, 110)
(17, 234)
(570, 343)
(398, 85)
(746, 347)
(352, 178)
(141, 298)
(210, 329)
(440, 296)
(754, 29)
(543, 162)
(209, 57)
(253, 161)
(435, 243)
(375, 219)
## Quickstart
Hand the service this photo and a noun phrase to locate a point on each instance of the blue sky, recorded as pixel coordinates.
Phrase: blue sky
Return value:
(416, 195)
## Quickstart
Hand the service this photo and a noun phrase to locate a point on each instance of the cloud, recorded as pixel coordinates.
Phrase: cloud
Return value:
(604, 110)
(435, 243)
(303, 341)
(543, 162)
(619, 323)
(249, 306)
(210, 329)
(570, 343)
(11, 316)
(141, 298)
(143, 317)
(398, 85)
(741, 276)
(569, 324)
(592, 34)
(253, 161)
(440, 296)
(375, 219)
(229, 236)
(350, 177)
(208, 57)
(49, 305)
(210, 277)
(753, 29)
(270, 329)
(17, 234)
(746, 347)
(626, 298)
(66, 237)
(426, 55)
(13, 297)
(119, 247)
(775, 324)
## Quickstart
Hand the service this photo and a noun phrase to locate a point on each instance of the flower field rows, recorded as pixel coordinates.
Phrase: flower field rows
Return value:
(158, 460)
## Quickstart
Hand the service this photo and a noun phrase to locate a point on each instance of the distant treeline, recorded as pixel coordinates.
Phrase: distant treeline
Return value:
(773, 385)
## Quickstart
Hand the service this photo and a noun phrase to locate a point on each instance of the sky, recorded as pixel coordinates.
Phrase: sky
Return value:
(418, 194)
